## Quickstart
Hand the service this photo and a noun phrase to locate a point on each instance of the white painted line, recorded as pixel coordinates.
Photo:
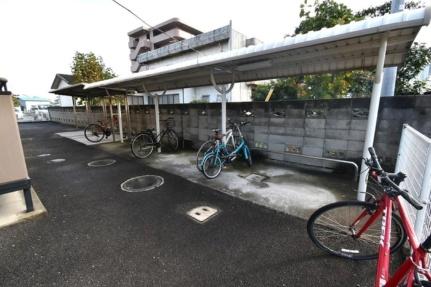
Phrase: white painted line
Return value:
(44, 155)
(57, 160)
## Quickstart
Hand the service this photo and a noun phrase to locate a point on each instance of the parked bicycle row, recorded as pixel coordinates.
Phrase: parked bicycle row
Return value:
(212, 156)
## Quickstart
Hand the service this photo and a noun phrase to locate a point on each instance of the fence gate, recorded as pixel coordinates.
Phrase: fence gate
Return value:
(414, 159)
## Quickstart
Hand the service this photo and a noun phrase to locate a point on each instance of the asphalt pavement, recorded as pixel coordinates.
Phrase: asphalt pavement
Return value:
(95, 234)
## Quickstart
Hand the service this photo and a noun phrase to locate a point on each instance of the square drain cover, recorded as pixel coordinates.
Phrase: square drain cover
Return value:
(254, 177)
(202, 213)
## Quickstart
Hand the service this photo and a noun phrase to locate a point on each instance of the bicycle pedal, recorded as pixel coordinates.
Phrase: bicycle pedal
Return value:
(232, 159)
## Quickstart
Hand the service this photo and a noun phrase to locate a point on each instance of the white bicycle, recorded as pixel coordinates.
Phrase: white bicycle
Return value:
(229, 138)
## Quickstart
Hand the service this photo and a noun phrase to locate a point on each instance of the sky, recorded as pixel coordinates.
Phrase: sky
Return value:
(39, 38)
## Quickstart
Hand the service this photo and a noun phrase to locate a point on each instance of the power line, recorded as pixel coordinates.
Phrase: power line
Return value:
(151, 27)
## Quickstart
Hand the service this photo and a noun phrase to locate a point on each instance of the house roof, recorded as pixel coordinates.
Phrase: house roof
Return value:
(347, 47)
(61, 77)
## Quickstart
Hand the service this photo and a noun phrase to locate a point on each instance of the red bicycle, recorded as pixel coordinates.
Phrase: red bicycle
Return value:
(372, 229)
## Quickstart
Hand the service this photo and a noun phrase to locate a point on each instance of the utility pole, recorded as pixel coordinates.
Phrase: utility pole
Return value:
(390, 74)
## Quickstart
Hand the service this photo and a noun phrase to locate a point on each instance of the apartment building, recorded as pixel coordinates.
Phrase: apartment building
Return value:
(172, 42)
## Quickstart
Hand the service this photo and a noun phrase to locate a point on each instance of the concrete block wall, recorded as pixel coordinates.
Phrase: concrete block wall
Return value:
(283, 130)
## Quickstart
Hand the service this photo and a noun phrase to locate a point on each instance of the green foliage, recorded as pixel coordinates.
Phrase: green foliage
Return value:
(284, 89)
(260, 91)
(323, 14)
(199, 101)
(327, 86)
(88, 68)
(360, 83)
(15, 101)
(383, 9)
(418, 57)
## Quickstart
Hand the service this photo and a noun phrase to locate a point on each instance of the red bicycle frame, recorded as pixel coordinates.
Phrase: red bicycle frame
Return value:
(418, 258)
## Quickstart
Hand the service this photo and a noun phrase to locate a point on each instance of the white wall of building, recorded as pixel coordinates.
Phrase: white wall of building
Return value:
(64, 101)
(30, 104)
(241, 91)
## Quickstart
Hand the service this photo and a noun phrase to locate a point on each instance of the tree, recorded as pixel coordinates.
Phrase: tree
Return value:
(326, 14)
(15, 101)
(336, 85)
(88, 68)
(417, 59)
(383, 9)
(284, 89)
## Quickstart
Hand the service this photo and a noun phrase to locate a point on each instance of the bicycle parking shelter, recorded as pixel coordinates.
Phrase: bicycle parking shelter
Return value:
(368, 44)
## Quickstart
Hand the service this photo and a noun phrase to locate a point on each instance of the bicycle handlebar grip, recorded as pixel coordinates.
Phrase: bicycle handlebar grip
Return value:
(374, 157)
(410, 199)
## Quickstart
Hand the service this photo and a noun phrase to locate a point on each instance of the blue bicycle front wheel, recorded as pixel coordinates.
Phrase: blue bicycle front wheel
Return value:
(247, 156)
(211, 166)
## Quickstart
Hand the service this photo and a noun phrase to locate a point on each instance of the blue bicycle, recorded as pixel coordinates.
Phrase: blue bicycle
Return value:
(219, 154)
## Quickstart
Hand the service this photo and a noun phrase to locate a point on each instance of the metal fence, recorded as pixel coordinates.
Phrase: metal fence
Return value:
(414, 159)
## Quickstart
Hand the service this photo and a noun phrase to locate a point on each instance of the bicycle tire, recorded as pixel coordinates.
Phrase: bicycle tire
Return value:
(248, 153)
(202, 151)
(169, 141)
(94, 133)
(333, 234)
(211, 166)
(230, 143)
(142, 145)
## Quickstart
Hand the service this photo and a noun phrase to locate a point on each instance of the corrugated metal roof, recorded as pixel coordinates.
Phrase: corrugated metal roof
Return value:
(347, 47)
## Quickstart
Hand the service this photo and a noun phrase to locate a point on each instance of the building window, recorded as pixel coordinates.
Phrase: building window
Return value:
(166, 99)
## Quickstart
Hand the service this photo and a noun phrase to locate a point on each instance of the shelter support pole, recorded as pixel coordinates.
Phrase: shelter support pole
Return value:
(372, 117)
(103, 103)
(74, 112)
(223, 90)
(120, 121)
(87, 111)
(129, 122)
(156, 111)
(223, 110)
(112, 115)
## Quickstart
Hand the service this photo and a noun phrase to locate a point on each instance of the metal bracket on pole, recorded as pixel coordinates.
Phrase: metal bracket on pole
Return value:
(156, 109)
(223, 90)
(372, 117)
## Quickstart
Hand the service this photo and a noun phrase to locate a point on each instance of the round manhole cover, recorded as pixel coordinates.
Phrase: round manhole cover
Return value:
(101, 162)
(57, 160)
(142, 183)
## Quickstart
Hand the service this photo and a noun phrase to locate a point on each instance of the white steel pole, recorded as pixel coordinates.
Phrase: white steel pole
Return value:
(74, 112)
(120, 121)
(157, 112)
(390, 73)
(223, 111)
(372, 117)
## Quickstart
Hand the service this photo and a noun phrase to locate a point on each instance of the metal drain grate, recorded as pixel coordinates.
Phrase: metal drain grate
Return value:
(102, 162)
(57, 160)
(202, 213)
(44, 155)
(254, 177)
(142, 183)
